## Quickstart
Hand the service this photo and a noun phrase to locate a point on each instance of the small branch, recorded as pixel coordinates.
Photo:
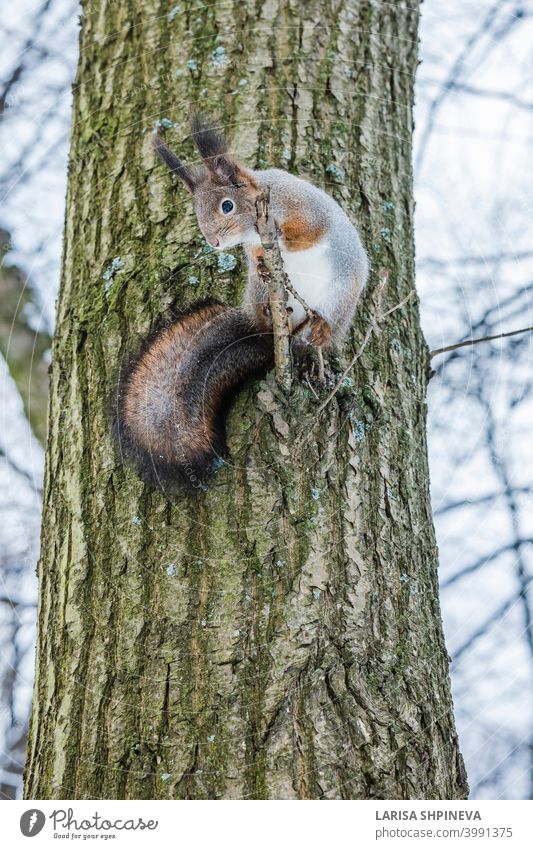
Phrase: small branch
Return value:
(275, 279)
(470, 342)
(397, 306)
(503, 256)
(11, 602)
(308, 311)
(14, 467)
(371, 328)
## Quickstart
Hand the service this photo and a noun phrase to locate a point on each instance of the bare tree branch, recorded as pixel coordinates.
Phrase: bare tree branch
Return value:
(19, 69)
(515, 545)
(453, 75)
(491, 620)
(470, 342)
(489, 259)
(492, 94)
(19, 470)
(476, 502)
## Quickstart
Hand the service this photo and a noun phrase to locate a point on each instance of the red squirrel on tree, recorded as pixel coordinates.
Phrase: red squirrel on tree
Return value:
(171, 404)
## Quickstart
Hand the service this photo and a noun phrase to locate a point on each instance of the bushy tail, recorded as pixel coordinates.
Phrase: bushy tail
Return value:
(172, 400)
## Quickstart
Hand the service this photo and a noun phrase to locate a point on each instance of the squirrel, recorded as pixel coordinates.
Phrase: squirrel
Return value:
(171, 403)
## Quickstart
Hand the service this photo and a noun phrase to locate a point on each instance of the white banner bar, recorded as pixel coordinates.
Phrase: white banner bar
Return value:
(268, 824)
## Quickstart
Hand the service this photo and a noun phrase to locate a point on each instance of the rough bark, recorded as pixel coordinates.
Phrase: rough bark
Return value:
(277, 635)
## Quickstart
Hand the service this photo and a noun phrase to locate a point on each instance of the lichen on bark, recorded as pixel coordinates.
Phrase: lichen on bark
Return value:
(277, 635)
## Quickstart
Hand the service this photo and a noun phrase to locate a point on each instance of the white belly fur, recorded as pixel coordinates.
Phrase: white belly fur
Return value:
(311, 275)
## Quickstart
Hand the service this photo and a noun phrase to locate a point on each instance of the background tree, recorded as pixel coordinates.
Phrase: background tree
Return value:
(277, 635)
(475, 272)
(37, 55)
(25, 348)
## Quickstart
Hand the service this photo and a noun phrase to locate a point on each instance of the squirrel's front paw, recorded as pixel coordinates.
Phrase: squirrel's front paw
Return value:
(320, 333)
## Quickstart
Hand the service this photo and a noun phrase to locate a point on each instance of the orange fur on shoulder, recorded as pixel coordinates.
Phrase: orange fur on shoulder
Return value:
(299, 234)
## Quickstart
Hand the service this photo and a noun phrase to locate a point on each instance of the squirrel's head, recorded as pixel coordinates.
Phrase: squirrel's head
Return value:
(223, 191)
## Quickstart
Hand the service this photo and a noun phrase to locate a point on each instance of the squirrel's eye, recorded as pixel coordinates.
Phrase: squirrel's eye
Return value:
(227, 206)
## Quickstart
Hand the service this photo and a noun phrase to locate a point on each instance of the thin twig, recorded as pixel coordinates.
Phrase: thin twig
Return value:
(321, 369)
(311, 315)
(347, 370)
(371, 328)
(277, 295)
(310, 385)
(11, 464)
(309, 312)
(298, 331)
(397, 306)
(470, 342)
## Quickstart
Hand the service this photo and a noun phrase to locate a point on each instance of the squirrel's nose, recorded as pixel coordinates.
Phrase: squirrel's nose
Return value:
(214, 243)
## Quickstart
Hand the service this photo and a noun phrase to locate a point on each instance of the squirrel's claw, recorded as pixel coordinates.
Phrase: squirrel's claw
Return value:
(320, 333)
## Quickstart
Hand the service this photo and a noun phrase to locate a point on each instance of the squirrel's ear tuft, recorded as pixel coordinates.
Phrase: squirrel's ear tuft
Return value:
(214, 151)
(207, 139)
(184, 172)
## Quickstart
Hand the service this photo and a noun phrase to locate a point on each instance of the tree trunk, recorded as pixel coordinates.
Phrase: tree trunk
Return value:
(277, 635)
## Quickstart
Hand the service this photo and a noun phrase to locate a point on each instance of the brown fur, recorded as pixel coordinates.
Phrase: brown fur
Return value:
(171, 401)
(256, 254)
(263, 317)
(164, 356)
(299, 234)
(320, 335)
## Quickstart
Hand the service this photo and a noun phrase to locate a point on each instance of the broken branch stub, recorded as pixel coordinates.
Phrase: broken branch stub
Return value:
(273, 273)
